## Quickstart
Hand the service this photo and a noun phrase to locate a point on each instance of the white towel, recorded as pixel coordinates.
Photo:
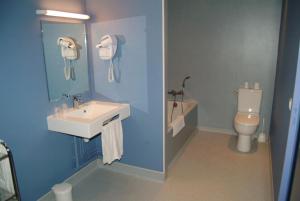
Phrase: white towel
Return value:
(178, 124)
(112, 141)
(6, 181)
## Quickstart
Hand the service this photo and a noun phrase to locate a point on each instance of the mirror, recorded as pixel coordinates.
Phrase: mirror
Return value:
(65, 54)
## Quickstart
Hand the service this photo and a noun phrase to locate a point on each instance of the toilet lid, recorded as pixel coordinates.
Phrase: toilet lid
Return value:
(247, 119)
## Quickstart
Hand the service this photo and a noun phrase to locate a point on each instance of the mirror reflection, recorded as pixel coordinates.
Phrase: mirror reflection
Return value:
(65, 55)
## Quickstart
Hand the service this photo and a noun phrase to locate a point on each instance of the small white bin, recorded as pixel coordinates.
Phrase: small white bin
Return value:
(63, 192)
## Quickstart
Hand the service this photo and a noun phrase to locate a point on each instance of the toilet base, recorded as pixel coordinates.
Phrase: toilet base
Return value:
(244, 143)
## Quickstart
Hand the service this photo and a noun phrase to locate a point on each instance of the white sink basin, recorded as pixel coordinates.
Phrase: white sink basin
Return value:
(87, 120)
(90, 111)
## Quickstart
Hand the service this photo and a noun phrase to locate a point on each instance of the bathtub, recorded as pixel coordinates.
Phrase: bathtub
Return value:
(174, 144)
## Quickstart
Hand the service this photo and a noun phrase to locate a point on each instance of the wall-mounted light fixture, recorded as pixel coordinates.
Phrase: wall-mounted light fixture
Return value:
(56, 13)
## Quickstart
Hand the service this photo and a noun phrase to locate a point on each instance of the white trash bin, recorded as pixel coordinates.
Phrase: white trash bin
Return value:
(63, 192)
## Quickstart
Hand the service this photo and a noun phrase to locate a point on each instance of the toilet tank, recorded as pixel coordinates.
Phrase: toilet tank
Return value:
(249, 100)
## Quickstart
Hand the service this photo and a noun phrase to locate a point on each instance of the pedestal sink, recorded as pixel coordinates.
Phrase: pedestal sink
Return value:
(87, 120)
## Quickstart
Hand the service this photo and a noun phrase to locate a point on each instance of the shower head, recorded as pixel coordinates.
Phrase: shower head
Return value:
(183, 82)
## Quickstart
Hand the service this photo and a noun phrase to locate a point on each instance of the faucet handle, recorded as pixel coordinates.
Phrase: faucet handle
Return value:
(76, 101)
(76, 97)
(66, 95)
(172, 92)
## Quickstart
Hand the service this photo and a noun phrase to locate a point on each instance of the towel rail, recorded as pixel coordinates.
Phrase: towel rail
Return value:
(110, 119)
(9, 155)
(3, 157)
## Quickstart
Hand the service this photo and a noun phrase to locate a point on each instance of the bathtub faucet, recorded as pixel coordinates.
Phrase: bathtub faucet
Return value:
(175, 93)
(183, 86)
(182, 91)
(183, 82)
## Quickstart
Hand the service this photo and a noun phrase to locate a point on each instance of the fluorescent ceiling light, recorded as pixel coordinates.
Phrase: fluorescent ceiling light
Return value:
(56, 13)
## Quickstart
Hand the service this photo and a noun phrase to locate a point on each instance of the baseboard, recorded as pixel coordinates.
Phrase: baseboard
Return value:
(216, 130)
(133, 171)
(82, 173)
(74, 179)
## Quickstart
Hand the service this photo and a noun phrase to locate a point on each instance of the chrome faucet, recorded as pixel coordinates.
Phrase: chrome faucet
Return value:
(183, 82)
(75, 99)
(180, 92)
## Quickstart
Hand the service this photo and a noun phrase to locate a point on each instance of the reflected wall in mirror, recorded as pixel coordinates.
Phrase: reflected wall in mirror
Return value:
(65, 54)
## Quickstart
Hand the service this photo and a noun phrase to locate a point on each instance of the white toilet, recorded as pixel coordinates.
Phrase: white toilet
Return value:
(246, 120)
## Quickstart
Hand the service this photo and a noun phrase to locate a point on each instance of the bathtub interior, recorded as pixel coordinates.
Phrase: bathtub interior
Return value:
(178, 110)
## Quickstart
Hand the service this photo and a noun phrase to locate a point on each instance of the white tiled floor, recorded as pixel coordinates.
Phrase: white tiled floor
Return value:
(208, 170)
(105, 185)
(211, 170)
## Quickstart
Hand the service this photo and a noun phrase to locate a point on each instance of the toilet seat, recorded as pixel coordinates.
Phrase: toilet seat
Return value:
(246, 119)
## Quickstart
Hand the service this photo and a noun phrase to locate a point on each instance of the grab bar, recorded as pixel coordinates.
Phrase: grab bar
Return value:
(110, 119)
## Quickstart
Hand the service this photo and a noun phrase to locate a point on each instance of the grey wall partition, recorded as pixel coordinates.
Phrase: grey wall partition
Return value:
(221, 44)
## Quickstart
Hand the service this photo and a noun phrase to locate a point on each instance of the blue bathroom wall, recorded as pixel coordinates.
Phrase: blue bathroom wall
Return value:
(222, 44)
(284, 87)
(138, 63)
(42, 158)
